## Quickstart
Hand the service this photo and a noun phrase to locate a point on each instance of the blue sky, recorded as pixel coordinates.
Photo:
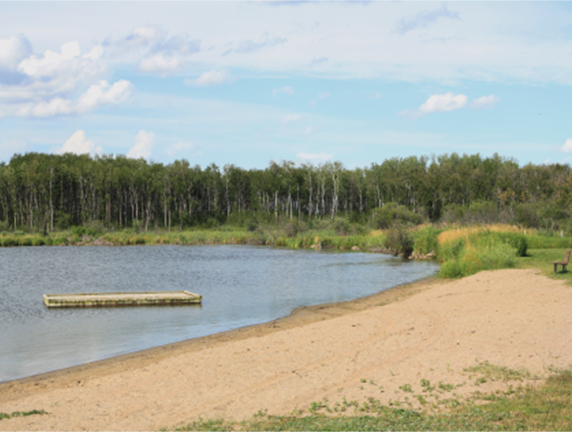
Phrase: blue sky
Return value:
(250, 82)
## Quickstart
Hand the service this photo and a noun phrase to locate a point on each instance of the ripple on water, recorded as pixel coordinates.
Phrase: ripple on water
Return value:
(241, 285)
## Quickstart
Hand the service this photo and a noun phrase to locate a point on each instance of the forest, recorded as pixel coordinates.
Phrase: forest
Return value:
(46, 192)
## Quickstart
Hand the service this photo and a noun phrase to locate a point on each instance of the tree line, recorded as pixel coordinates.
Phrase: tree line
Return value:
(47, 192)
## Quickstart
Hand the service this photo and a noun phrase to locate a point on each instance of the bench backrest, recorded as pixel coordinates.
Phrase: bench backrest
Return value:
(567, 259)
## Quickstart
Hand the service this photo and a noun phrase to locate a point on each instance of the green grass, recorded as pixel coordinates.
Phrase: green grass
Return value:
(21, 414)
(484, 250)
(542, 259)
(545, 407)
(497, 373)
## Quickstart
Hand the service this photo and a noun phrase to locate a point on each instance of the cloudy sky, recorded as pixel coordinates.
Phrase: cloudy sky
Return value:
(249, 82)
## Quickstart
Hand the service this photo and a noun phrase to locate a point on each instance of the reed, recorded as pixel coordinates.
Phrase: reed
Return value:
(467, 251)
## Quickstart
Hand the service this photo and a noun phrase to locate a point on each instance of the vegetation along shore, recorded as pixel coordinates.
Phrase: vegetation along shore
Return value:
(469, 212)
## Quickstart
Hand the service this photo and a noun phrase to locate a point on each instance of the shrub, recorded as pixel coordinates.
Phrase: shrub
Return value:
(515, 240)
(479, 250)
(294, 227)
(392, 214)
(6, 241)
(399, 240)
(342, 226)
(80, 231)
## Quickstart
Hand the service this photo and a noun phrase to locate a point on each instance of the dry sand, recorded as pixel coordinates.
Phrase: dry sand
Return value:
(429, 330)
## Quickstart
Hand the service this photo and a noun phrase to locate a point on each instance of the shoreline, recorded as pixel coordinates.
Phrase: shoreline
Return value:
(299, 317)
(455, 336)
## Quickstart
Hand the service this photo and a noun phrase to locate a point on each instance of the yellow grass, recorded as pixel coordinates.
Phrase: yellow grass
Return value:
(454, 234)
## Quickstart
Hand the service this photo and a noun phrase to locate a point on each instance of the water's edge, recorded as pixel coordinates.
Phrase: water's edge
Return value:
(300, 316)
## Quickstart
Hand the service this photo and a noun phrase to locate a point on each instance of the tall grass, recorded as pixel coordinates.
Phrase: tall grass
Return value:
(466, 251)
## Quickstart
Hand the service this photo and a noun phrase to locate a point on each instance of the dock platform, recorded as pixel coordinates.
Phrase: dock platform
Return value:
(109, 299)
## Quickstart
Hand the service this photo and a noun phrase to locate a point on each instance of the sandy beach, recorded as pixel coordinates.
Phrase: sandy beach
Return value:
(430, 330)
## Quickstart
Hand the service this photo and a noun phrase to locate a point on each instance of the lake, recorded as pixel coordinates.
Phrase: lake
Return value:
(240, 285)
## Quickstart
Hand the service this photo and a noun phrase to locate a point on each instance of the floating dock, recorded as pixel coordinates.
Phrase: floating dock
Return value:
(108, 299)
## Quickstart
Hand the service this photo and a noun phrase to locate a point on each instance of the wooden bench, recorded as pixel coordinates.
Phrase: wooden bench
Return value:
(563, 263)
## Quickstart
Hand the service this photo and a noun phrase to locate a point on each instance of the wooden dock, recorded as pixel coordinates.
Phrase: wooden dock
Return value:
(108, 299)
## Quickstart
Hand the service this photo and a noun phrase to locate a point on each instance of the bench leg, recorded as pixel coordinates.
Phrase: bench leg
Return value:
(563, 269)
(555, 268)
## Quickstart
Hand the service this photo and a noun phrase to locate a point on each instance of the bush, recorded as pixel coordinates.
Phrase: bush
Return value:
(484, 250)
(392, 214)
(515, 240)
(342, 226)
(292, 228)
(399, 240)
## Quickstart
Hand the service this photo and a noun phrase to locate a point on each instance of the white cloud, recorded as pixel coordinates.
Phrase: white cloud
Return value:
(99, 94)
(143, 145)
(292, 118)
(211, 78)
(288, 90)
(424, 18)
(45, 85)
(450, 102)
(104, 94)
(485, 102)
(567, 147)
(78, 144)
(443, 103)
(374, 95)
(309, 130)
(51, 62)
(13, 50)
(314, 157)
(158, 63)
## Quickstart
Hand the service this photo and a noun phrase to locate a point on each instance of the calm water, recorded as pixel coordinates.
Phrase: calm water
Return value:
(241, 285)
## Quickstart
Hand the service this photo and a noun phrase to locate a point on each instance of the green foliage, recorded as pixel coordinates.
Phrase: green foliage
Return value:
(393, 213)
(80, 231)
(516, 240)
(551, 242)
(294, 227)
(527, 214)
(399, 240)
(425, 240)
(484, 250)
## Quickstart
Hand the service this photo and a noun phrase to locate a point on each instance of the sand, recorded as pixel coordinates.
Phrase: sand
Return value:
(370, 347)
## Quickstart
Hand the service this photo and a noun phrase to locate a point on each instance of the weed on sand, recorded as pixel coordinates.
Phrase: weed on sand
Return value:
(544, 407)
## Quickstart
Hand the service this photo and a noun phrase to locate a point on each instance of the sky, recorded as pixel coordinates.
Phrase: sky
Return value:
(247, 83)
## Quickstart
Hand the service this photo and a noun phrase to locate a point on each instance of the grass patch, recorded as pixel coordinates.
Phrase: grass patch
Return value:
(546, 407)
(542, 259)
(478, 249)
(492, 372)
(21, 414)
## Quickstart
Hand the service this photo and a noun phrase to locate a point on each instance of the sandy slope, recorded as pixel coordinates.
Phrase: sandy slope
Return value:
(430, 330)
